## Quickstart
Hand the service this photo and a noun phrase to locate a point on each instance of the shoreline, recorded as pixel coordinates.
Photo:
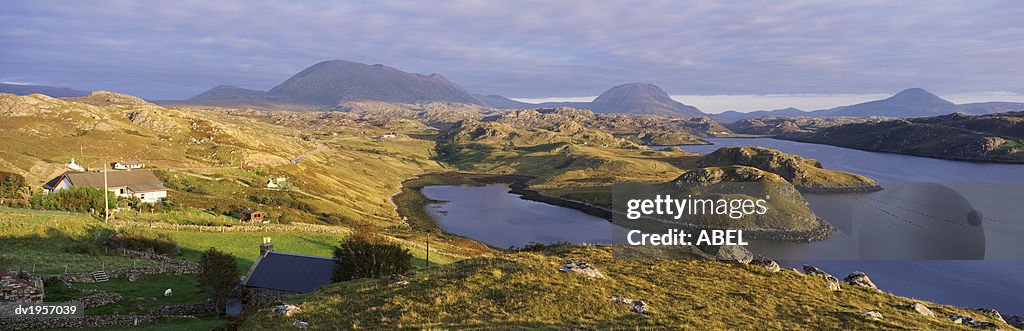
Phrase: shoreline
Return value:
(517, 185)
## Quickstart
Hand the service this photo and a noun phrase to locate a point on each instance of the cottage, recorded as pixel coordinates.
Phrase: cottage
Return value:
(20, 287)
(276, 273)
(142, 184)
(250, 215)
(127, 165)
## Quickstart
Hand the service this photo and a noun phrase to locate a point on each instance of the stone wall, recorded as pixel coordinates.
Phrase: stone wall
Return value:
(262, 296)
(168, 266)
(20, 287)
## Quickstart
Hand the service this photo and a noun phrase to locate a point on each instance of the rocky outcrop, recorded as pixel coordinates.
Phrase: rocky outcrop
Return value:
(831, 282)
(734, 253)
(582, 268)
(804, 174)
(1016, 321)
(991, 312)
(860, 279)
(637, 306)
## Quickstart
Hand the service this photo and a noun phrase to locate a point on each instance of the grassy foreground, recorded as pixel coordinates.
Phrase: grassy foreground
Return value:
(526, 290)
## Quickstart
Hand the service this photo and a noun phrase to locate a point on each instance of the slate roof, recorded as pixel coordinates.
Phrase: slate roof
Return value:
(293, 273)
(135, 180)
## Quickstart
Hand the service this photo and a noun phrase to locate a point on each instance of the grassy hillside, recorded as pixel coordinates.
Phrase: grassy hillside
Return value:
(526, 290)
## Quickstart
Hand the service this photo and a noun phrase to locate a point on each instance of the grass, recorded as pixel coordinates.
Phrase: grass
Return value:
(138, 297)
(174, 324)
(40, 242)
(525, 290)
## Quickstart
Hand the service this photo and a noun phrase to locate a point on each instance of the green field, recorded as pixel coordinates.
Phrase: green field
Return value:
(138, 297)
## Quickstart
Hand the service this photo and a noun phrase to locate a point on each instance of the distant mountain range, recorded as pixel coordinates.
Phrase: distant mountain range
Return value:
(913, 102)
(56, 92)
(329, 83)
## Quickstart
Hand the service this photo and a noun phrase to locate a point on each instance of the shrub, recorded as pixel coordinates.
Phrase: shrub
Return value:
(367, 255)
(74, 199)
(11, 184)
(218, 274)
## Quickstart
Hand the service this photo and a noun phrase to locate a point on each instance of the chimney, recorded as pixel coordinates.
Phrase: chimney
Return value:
(266, 247)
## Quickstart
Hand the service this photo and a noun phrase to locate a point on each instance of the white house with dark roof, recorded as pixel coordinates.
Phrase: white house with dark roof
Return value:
(142, 184)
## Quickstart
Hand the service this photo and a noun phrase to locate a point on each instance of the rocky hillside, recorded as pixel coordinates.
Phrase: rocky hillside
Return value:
(994, 137)
(631, 98)
(592, 288)
(773, 125)
(805, 174)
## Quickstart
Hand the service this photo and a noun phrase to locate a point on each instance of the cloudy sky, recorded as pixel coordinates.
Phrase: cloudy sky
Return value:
(732, 55)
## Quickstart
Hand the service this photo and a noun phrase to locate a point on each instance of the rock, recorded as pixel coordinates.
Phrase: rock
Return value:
(734, 253)
(1016, 321)
(831, 282)
(286, 310)
(991, 312)
(637, 306)
(872, 315)
(957, 319)
(860, 279)
(301, 325)
(767, 264)
(580, 267)
(921, 309)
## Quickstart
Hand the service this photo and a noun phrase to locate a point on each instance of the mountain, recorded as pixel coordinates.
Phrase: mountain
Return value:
(331, 82)
(732, 115)
(228, 92)
(641, 98)
(631, 98)
(912, 102)
(55, 92)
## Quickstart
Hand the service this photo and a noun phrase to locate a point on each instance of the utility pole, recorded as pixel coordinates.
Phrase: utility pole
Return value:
(106, 201)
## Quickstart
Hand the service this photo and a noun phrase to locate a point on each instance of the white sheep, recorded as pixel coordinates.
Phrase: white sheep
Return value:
(167, 293)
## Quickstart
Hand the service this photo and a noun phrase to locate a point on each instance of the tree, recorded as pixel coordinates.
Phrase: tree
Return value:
(11, 184)
(367, 255)
(218, 275)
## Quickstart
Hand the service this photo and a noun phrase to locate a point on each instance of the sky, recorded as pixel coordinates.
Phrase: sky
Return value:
(716, 55)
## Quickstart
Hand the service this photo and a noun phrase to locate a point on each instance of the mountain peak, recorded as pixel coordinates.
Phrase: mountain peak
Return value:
(334, 81)
(642, 98)
(919, 96)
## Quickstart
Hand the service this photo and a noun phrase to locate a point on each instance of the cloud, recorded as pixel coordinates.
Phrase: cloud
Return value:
(531, 49)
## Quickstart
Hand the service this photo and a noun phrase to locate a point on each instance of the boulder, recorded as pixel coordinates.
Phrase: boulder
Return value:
(921, 309)
(957, 319)
(831, 282)
(860, 279)
(301, 325)
(872, 315)
(581, 267)
(637, 306)
(767, 264)
(734, 253)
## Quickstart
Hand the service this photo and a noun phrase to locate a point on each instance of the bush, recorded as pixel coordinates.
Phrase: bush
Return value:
(11, 184)
(218, 274)
(367, 255)
(74, 199)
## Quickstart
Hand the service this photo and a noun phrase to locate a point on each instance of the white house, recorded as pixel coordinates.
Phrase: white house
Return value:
(127, 165)
(142, 184)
